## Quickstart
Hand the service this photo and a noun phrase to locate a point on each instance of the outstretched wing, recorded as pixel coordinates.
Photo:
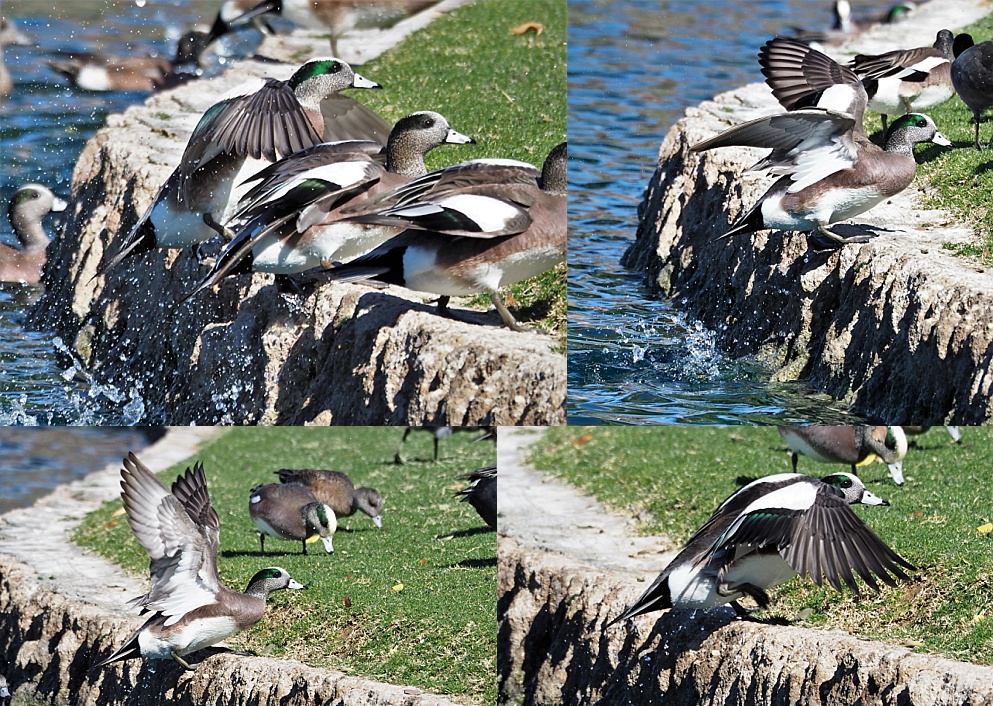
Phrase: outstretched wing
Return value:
(180, 536)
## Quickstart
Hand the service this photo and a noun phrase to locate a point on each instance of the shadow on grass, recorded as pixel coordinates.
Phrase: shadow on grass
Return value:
(474, 563)
(471, 532)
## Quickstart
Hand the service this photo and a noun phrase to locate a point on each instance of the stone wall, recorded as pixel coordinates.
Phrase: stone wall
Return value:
(62, 610)
(898, 327)
(552, 650)
(48, 644)
(340, 354)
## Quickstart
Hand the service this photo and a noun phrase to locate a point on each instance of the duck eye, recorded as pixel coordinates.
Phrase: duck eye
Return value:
(847, 483)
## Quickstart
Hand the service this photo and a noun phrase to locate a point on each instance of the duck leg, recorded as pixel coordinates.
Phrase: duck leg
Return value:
(181, 661)
(304, 543)
(398, 456)
(841, 240)
(749, 589)
(795, 456)
(262, 541)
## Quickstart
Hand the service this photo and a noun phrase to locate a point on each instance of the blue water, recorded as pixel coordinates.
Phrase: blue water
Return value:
(634, 66)
(44, 124)
(34, 461)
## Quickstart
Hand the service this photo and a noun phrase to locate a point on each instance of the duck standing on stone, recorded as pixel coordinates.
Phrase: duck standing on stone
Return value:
(291, 512)
(28, 206)
(191, 609)
(907, 80)
(853, 445)
(336, 490)
(256, 124)
(289, 221)
(768, 532)
(828, 169)
(470, 228)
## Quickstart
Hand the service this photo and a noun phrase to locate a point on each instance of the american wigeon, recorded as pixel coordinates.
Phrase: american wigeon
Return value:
(236, 14)
(336, 16)
(438, 433)
(290, 221)
(336, 490)
(954, 432)
(101, 72)
(853, 445)
(9, 35)
(291, 512)
(972, 76)
(191, 609)
(829, 170)
(254, 125)
(27, 207)
(907, 80)
(768, 532)
(473, 227)
(481, 493)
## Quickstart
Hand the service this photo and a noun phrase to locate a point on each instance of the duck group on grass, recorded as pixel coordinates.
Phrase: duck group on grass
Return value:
(190, 607)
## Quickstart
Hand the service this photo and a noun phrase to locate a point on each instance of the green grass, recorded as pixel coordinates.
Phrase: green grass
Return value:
(506, 91)
(959, 180)
(438, 632)
(673, 478)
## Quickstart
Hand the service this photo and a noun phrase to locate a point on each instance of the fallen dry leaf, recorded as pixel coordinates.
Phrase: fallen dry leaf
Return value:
(348, 601)
(985, 529)
(398, 588)
(535, 27)
(582, 439)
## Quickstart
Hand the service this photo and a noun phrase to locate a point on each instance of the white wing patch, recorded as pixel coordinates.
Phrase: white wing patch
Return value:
(795, 496)
(489, 213)
(814, 163)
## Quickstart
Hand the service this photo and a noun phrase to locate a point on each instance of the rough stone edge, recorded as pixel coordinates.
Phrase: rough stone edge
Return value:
(552, 649)
(873, 324)
(62, 609)
(346, 355)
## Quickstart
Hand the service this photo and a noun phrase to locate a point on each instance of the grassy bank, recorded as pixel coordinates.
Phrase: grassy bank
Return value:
(508, 91)
(961, 180)
(396, 604)
(673, 478)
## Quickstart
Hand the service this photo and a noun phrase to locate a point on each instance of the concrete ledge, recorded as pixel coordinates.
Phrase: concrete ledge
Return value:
(62, 610)
(897, 327)
(342, 354)
(567, 566)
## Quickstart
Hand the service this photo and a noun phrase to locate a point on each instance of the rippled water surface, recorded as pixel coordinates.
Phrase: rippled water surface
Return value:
(44, 124)
(634, 65)
(34, 461)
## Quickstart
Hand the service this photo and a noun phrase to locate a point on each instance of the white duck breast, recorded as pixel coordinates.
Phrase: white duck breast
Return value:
(421, 272)
(204, 633)
(830, 207)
